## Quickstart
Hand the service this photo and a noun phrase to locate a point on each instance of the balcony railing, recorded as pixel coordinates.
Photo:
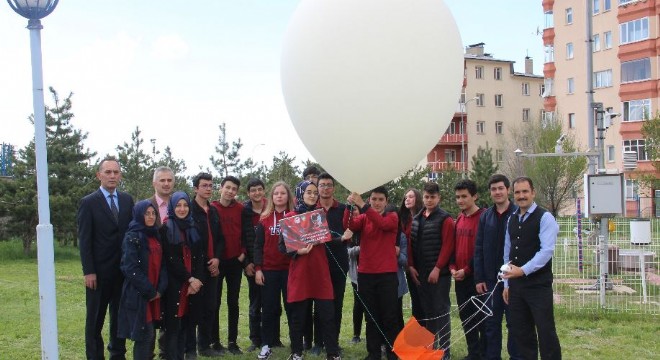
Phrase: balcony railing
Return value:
(453, 138)
(445, 165)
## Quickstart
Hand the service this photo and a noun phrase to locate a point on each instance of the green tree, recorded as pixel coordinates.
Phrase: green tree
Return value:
(136, 161)
(69, 175)
(483, 167)
(283, 169)
(178, 166)
(227, 160)
(651, 133)
(411, 179)
(447, 181)
(556, 179)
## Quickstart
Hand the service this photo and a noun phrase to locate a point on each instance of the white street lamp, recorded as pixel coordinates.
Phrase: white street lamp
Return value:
(34, 11)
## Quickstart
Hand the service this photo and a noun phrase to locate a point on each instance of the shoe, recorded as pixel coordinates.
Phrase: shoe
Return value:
(253, 347)
(316, 350)
(210, 353)
(265, 353)
(333, 357)
(219, 348)
(234, 349)
(191, 356)
(278, 344)
(296, 357)
(356, 339)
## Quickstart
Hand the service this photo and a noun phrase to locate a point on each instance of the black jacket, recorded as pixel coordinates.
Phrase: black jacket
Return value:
(489, 245)
(427, 240)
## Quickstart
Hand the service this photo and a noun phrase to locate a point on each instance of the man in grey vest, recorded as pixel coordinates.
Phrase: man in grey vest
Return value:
(529, 244)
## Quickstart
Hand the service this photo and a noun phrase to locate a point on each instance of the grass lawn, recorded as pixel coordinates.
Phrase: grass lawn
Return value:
(590, 335)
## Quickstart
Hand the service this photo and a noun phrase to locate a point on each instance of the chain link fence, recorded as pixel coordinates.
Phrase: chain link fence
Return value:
(633, 263)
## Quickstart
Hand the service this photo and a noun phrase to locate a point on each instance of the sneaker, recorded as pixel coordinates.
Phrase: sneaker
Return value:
(316, 350)
(333, 357)
(234, 349)
(219, 348)
(265, 353)
(210, 353)
(296, 357)
(356, 339)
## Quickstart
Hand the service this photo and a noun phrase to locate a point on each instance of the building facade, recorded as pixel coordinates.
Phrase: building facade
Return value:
(624, 48)
(495, 99)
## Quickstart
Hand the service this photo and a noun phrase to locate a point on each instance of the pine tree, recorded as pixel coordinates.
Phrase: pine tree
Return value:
(483, 167)
(137, 174)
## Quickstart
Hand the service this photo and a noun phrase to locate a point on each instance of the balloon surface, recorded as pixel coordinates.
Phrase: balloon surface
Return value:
(371, 85)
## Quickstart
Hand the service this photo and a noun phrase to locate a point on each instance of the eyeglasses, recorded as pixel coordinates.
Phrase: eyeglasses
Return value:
(326, 186)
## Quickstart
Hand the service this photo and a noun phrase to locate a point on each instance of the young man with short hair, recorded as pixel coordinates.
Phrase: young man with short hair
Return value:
(232, 262)
(461, 267)
(488, 255)
(208, 226)
(432, 238)
(377, 268)
(529, 245)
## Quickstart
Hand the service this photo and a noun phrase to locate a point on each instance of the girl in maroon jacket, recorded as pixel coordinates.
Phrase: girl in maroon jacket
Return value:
(272, 267)
(309, 278)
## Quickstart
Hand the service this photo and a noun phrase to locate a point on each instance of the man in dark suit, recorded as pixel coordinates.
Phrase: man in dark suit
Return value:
(103, 218)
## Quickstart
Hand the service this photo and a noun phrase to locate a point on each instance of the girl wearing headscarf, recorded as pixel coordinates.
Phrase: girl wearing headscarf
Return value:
(145, 280)
(185, 261)
(309, 279)
(271, 266)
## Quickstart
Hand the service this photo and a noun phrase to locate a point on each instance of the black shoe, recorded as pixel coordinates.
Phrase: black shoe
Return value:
(253, 347)
(356, 339)
(191, 356)
(278, 344)
(316, 350)
(219, 348)
(210, 353)
(234, 349)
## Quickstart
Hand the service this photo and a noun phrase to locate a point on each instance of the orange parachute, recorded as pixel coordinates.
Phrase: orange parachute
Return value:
(414, 341)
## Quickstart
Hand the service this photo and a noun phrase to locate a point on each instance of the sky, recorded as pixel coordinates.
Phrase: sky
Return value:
(179, 70)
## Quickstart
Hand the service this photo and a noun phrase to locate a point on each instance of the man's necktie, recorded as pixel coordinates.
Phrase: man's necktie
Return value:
(113, 207)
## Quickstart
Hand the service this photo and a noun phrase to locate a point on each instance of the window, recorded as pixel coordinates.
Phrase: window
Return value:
(570, 82)
(525, 115)
(632, 189)
(636, 70)
(548, 118)
(481, 125)
(569, 51)
(525, 89)
(636, 146)
(480, 99)
(607, 38)
(499, 127)
(497, 73)
(499, 155)
(549, 53)
(571, 121)
(636, 110)
(623, 2)
(602, 79)
(595, 44)
(596, 7)
(607, 5)
(634, 30)
(549, 19)
(479, 72)
(450, 155)
(541, 89)
(498, 100)
(547, 82)
(610, 153)
(569, 16)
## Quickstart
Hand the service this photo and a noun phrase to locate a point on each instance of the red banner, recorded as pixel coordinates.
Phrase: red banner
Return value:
(309, 228)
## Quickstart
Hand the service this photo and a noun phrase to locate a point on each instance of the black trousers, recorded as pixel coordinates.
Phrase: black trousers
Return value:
(231, 271)
(105, 297)
(325, 311)
(471, 318)
(199, 335)
(437, 306)
(274, 289)
(338, 289)
(175, 338)
(254, 317)
(533, 321)
(358, 312)
(416, 305)
(379, 292)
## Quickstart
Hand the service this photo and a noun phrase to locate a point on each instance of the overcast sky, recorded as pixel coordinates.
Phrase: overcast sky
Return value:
(177, 69)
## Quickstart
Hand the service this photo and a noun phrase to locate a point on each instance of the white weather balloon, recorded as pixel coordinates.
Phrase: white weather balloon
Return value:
(371, 85)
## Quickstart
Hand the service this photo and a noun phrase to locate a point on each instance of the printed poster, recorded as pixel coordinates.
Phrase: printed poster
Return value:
(309, 228)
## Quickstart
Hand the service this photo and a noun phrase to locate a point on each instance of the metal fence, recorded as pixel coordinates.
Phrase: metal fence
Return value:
(633, 284)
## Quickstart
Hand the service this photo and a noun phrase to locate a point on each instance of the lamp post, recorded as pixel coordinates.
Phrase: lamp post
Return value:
(463, 131)
(34, 11)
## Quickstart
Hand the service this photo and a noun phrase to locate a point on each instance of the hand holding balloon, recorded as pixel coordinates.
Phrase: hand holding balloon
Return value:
(511, 271)
(355, 199)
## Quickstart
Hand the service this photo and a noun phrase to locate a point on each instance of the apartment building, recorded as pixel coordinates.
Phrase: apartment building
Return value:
(625, 79)
(495, 99)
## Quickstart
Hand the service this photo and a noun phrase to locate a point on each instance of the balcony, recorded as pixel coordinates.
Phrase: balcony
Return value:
(445, 165)
(453, 139)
